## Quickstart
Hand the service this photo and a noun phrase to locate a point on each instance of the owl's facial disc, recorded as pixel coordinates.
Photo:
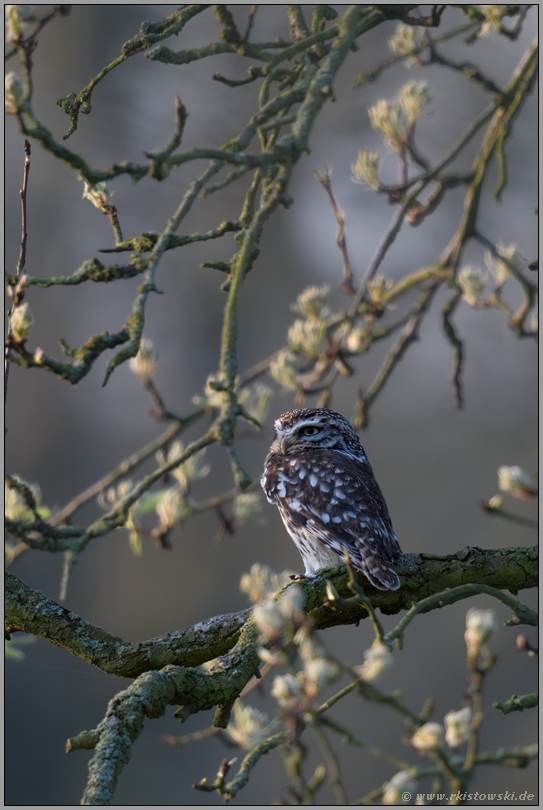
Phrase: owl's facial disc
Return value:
(303, 433)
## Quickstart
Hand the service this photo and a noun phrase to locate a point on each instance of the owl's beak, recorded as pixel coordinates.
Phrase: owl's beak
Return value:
(284, 444)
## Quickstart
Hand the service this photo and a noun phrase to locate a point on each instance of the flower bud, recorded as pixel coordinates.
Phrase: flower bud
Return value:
(291, 602)
(13, 92)
(248, 727)
(248, 507)
(480, 624)
(500, 266)
(261, 582)
(15, 17)
(376, 660)
(366, 169)
(284, 369)
(319, 673)
(414, 97)
(400, 783)
(269, 620)
(378, 288)
(99, 195)
(407, 40)
(457, 727)
(286, 691)
(471, 281)
(21, 322)
(311, 303)
(515, 482)
(428, 737)
(307, 337)
(170, 508)
(143, 365)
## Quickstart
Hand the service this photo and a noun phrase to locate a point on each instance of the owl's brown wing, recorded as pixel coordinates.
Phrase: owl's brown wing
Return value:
(333, 498)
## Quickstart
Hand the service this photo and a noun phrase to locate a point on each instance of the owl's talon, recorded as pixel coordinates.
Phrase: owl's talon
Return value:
(296, 577)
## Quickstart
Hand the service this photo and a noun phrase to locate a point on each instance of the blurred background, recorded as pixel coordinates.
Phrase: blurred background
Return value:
(433, 462)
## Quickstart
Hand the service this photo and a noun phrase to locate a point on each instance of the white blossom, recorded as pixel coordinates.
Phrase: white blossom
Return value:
(143, 365)
(457, 727)
(170, 508)
(366, 169)
(13, 92)
(248, 506)
(261, 582)
(269, 620)
(21, 322)
(407, 40)
(98, 194)
(248, 726)
(286, 691)
(400, 784)
(515, 481)
(318, 674)
(480, 624)
(376, 660)
(428, 737)
(394, 119)
(307, 337)
(471, 281)
(500, 266)
(284, 369)
(311, 303)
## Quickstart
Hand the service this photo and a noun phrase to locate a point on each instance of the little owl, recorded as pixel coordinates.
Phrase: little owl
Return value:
(318, 475)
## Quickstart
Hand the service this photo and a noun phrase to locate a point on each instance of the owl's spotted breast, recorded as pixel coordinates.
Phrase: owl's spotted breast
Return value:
(318, 475)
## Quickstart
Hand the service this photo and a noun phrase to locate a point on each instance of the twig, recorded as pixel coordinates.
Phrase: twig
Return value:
(21, 263)
(325, 179)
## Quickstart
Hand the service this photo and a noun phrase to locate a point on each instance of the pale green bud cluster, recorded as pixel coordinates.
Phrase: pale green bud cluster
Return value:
(493, 18)
(248, 726)
(480, 625)
(98, 194)
(171, 508)
(21, 322)
(319, 673)
(457, 727)
(376, 661)
(471, 281)
(501, 267)
(378, 288)
(13, 92)
(260, 583)
(515, 481)
(285, 369)
(15, 17)
(400, 783)
(190, 470)
(143, 365)
(287, 691)
(393, 119)
(256, 401)
(15, 507)
(429, 737)
(366, 169)
(311, 303)
(407, 40)
(306, 337)
(248, 506)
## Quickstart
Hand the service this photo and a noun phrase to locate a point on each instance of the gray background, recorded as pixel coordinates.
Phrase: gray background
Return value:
(433, 462)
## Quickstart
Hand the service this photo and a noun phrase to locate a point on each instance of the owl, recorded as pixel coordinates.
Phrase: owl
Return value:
(318, 475)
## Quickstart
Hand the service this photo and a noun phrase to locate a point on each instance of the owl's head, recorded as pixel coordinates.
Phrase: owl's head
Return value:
(309, 429)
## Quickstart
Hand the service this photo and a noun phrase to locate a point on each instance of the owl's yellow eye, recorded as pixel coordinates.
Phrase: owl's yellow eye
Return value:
(310, 431)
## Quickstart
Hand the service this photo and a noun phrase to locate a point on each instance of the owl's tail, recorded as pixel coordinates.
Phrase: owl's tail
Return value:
(378, 571)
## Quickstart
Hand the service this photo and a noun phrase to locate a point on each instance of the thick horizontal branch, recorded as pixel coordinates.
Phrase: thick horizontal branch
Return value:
(422, 575)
